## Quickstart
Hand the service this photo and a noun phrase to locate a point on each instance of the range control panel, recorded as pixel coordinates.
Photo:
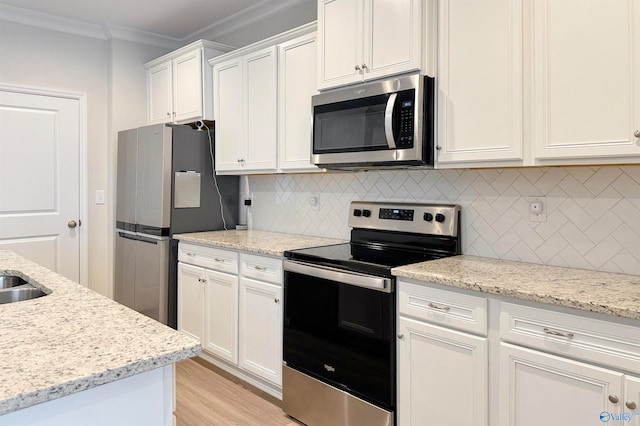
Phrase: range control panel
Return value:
(435, 219)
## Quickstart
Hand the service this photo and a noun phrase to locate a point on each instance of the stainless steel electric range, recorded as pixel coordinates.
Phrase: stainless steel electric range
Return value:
(339, 323)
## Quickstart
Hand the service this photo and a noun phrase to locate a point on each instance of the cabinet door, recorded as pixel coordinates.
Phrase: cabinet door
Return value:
(190, 300)
(340, 42)
(586, 83)
(159, 96)
(187, 86)
(221, 315)
(296, 84)
(442, 376)
(541, 389)
(260, 332)
(228, 113)
(632, 399)
(392, 37)
(261, 106)
(480, 82)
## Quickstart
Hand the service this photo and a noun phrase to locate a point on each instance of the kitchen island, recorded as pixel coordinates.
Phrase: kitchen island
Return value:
(76, 357)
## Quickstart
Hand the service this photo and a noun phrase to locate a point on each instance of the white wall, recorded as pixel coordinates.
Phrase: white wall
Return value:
(112, 76)
(128, 109)
(51, 60)
(593, 213)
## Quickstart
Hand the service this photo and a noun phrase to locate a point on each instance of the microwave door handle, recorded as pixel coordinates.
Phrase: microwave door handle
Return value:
(388, 120)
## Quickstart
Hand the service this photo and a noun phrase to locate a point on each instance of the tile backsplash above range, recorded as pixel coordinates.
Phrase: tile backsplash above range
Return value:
(590, 215)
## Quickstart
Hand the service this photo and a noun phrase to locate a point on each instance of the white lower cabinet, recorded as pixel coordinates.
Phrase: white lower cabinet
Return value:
(442, 376)
(235, 311)
(538, 388)
(261, 329)
(464, 359)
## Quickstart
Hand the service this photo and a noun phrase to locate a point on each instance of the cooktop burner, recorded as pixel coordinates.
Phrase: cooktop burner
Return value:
(388, 235)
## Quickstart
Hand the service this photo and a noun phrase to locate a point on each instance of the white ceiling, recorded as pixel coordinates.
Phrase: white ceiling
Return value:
(176, 19)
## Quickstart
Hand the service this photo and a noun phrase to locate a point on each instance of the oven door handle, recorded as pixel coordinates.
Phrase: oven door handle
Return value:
(339, 275)
(388, 120)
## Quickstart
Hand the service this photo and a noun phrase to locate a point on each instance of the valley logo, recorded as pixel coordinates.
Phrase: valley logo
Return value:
(606, 417)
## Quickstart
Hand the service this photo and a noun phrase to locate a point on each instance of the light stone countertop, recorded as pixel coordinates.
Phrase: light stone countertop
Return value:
(601, 292)
(261, 242)
(74, 339)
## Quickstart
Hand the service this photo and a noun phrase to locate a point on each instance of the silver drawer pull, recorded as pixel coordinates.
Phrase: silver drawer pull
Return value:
(260, 268)
(551, 332)
(191, 254)
(218, 259)
(439, 308)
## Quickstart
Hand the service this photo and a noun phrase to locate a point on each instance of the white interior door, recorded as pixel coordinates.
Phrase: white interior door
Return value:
(40, 179)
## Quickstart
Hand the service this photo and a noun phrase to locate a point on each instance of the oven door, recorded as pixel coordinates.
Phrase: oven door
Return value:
(339, 329)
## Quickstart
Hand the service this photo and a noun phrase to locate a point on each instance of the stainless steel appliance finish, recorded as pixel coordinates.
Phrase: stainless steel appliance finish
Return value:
(150, 160)
(319, 404)
(339, 349)
(387, 124)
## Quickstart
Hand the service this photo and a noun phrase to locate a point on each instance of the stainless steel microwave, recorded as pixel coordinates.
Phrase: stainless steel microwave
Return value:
(385, 124)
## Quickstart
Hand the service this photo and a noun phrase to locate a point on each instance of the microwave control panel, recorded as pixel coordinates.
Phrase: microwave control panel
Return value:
(406, 111)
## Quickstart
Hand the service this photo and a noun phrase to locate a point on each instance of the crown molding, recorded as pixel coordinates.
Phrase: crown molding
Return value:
(50, 22)
(235, 22)
(244, 18)
(119, 32)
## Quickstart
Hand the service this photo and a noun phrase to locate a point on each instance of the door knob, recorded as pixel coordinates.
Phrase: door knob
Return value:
(636, 133)
(630, 405)
(72, 224)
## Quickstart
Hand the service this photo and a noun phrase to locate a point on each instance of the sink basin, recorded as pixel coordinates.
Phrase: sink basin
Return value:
(18, 294)
(8, 281)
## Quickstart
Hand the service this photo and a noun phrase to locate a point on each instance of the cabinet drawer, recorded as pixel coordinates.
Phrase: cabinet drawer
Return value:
(209, 257)
(261, 268)
(602, 342)
(461, 311)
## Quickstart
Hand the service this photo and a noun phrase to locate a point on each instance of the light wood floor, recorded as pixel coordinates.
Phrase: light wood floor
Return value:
(208, 396)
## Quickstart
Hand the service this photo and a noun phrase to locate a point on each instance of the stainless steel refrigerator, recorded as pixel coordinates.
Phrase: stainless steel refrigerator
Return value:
(165, 186)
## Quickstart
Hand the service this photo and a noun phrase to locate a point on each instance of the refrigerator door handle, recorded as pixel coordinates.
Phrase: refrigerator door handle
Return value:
(128, 236)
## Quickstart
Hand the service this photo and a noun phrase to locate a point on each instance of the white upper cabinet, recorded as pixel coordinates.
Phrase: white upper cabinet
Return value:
(586, 79)
(179, 84)
(361, 40)
(480, 86)
(262, 104)
(245, 112)
(296, 64)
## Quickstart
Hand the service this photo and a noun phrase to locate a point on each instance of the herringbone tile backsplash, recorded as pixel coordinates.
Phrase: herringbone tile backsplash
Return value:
(592, 213)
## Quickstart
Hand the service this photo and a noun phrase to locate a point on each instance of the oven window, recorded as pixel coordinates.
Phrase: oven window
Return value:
(342, 335)
(350, 126)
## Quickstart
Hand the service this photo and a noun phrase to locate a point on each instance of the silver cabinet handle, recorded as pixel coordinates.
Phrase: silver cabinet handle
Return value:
(558, 333)
(276, 300)
(364, 67)
(637, 133)
(438, 147)
(400, 336)
(630, 405)
(439, 308)
(260, 268)
(217, 259)
(190, 254)
(72, 224)
(613, 399)
(357, 68)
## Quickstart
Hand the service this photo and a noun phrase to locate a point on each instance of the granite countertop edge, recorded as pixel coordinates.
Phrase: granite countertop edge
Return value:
(583, 289)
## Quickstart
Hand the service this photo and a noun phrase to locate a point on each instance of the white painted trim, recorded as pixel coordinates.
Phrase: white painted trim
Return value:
(244, 18)
(50, 22)
(235, 22)
(82, 164)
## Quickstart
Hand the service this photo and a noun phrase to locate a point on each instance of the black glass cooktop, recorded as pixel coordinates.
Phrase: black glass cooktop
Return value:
(375, 253)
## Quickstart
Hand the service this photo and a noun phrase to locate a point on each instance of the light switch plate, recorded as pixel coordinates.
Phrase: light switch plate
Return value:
(99, 196)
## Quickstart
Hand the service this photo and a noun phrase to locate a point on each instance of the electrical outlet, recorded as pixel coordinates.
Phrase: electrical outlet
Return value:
(314, 201)
(248, 199)
(537, 209)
